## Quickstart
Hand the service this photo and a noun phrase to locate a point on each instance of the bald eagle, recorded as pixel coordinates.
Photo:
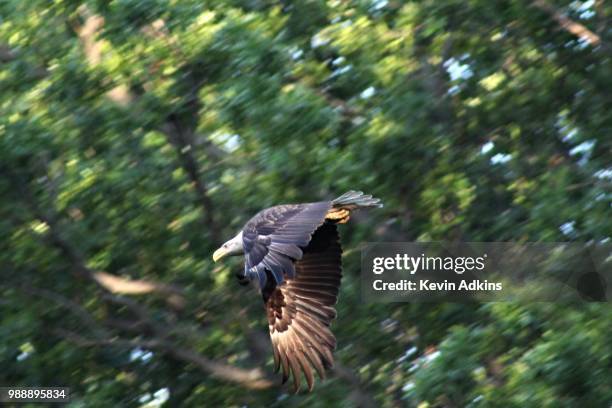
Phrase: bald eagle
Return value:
(293, 253)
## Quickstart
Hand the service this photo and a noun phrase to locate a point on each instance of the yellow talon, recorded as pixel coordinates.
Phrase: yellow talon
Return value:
(340, 215)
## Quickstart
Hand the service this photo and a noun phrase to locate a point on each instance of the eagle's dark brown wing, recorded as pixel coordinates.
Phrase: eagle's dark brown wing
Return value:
(301, 309)
(274, 238)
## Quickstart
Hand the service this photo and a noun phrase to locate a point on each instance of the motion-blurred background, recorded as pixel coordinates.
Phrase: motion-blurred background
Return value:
(137, 135)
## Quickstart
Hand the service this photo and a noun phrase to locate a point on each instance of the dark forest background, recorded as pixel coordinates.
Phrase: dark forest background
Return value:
(138, 135)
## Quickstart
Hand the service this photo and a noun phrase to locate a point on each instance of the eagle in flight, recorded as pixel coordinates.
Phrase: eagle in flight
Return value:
(293, 253)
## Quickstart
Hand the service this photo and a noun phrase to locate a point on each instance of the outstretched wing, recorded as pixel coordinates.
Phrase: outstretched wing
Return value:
(274, 238)
(300, 310)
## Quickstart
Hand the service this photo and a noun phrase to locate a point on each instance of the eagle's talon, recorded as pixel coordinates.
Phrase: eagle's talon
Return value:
(339, 215)
(344, 220)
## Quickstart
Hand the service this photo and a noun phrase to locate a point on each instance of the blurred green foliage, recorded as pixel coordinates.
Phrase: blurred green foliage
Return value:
(135, 135)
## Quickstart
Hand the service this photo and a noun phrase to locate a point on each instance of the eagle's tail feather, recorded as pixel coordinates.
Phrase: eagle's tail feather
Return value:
(356, 199)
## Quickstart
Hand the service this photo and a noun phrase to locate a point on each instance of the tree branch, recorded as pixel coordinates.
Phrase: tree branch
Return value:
(92, 48)
(249, 378)
(178, 135)
(181, 139)
(124, 286)
(162, 332)
(68, 304)
(569, 25)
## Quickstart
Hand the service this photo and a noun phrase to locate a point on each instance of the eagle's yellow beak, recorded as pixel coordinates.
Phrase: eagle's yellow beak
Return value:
(219, 253)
